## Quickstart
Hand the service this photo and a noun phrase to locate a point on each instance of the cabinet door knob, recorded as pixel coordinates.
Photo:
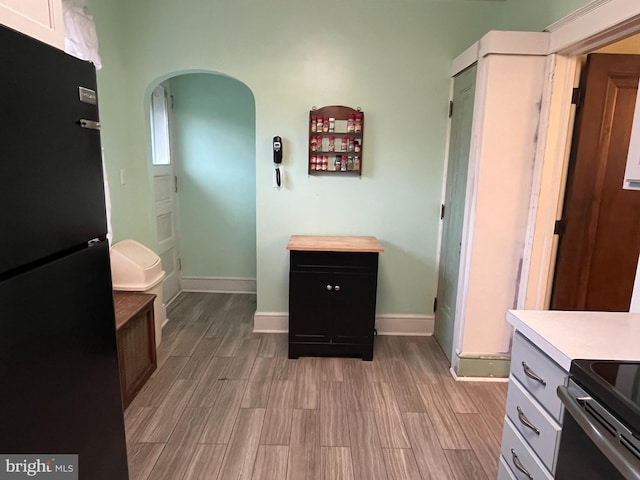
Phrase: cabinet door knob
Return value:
(337, 288)
(329, 287)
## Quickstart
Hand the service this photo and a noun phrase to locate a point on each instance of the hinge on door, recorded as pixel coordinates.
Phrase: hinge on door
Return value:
(179, 263)
(559, 227)
(175, 182)
(450, 108)
(441, 211)
(172, 102)
(435, 304)
(576, 97)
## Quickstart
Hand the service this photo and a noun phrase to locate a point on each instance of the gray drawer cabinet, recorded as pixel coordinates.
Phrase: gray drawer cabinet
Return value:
(533, 419)
(538, 374)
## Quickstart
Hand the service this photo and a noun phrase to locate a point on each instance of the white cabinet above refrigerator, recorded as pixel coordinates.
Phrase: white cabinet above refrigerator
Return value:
(40, 19)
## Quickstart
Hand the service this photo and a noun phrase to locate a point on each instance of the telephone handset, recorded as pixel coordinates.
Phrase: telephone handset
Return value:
(277, 149)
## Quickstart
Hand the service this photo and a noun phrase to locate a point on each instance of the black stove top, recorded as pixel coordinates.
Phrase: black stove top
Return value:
(615, 385)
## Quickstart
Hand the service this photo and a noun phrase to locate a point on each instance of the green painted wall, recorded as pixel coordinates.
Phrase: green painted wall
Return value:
(390, 58)
(536, 15)
(131, 216)
(214, 148)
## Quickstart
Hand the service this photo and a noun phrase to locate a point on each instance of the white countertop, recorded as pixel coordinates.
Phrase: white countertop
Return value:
(566, 336)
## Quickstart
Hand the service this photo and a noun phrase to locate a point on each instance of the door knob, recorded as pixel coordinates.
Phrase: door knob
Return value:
(337, 288)
(329, 287)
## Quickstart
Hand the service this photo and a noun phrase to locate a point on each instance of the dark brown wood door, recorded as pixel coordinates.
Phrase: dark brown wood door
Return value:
(598, 249)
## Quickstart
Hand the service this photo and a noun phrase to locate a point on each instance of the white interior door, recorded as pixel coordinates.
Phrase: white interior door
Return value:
(453, 219)
(164, 191)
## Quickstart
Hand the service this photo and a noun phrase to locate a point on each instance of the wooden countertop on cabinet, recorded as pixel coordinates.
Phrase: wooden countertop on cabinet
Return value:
(335, 243)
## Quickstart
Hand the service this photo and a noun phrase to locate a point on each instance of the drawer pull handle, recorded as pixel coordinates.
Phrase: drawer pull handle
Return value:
(518, 464)
(525, 421)
(329, 287)
(531, 374)
(337, 288)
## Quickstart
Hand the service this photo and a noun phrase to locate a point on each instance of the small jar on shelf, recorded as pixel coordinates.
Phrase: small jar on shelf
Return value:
(351, 123)
(314, 121)
(357, 126)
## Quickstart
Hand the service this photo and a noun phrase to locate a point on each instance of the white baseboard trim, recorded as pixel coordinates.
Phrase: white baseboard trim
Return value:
(271, 322)
(405, 324)
(218, 284)
(388, 324)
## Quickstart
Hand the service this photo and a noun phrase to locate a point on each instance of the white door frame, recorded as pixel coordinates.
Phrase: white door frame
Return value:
(494, 43)
(593, 26)
(168, 205)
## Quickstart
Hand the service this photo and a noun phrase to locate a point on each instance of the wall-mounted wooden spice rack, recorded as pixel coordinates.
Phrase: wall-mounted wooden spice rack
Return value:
(335, 140)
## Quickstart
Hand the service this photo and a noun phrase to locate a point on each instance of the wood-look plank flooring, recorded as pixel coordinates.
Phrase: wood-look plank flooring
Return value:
(227, 404)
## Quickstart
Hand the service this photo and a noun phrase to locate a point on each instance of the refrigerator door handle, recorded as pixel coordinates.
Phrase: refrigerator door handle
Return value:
(92, 124)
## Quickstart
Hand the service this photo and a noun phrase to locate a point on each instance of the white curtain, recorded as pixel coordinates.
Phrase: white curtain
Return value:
(80, 38)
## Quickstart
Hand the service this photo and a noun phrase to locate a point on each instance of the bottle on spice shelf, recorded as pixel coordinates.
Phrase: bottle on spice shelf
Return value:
(319, 124)
(343, 147)
(319, 143)
(325, 162)
(332, 144)
(332, 124)
(343, 164)
(356, 162)
(325, 124)
(313, 162)
(351, 144)
(356, 146)
(357, 127)
(351, 123)
(314, 144)
(337, 162)
(314, 120)
(350, 163)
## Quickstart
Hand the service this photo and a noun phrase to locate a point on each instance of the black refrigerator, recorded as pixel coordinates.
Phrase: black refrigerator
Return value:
(60, 390)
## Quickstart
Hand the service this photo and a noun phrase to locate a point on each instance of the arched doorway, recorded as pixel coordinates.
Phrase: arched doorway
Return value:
(204, 193)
